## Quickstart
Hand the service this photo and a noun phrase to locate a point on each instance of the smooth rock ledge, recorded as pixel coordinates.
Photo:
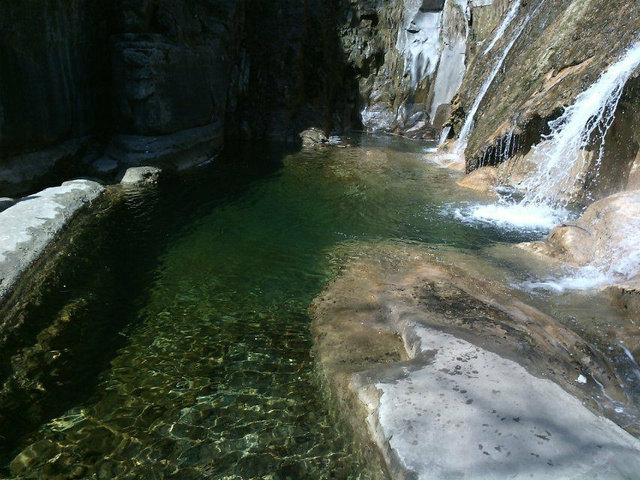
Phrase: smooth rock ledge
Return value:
(29, 226)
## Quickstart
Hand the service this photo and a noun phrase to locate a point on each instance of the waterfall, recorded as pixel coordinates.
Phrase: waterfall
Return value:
(444, 135)
(561, 159)
(565, 147)
(467, 127)
(508, 18)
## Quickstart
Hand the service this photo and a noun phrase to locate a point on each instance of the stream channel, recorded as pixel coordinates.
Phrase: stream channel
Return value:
(189, 354)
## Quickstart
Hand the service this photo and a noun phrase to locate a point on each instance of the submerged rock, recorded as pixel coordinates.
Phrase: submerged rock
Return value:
(141, 176)
(448, 373)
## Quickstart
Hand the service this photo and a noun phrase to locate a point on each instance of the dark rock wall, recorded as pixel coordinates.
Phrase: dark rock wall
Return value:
(290, 71)
(171, 63)
(163, 80)
(53, 72)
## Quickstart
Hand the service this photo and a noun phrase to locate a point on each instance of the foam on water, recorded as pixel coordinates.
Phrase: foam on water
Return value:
(512, 216)
(622, 264)
(586, 278)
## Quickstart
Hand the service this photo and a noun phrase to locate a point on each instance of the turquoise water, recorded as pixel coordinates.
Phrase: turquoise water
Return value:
(189, 351)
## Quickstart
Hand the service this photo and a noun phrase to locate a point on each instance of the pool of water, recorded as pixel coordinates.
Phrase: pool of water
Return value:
(185, 344)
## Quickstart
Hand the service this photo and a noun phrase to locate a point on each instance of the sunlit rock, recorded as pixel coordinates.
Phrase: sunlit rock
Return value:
(603, 241)
(423, 352)
(483, 180)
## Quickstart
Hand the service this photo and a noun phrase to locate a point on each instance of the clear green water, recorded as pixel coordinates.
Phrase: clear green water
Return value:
(192, 358)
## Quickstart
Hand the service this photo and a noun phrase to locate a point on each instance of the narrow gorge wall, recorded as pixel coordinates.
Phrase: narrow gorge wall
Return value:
(410, 57)
(91, 88)
(563, 49)
(54, 86)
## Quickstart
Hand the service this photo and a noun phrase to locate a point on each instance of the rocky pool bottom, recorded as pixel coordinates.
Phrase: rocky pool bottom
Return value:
(169, 335)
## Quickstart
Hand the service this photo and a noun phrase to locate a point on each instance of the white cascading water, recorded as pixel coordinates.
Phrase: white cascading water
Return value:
(444, 135)
(467, 127)
(565, 147)
(560, 158)
(506, 21)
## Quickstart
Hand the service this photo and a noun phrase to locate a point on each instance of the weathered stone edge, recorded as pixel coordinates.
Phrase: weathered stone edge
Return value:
(33, 223)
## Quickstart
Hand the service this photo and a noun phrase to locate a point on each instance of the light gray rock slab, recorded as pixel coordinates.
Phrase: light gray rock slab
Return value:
(460, 412)
(30, 225)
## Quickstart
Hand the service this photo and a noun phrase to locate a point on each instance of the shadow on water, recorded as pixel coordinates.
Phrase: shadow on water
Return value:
(58, 337)
(173, 340)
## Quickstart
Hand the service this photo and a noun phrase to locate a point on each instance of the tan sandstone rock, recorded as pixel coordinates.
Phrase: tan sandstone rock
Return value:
(483, 180)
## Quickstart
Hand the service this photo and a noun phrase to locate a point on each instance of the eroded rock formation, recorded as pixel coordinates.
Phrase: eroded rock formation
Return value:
(555, 57)
(452, 374)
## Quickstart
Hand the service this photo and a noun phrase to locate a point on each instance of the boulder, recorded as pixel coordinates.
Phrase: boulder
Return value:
(313, 137)
(484, 180)
(605, 236)
(141, 176)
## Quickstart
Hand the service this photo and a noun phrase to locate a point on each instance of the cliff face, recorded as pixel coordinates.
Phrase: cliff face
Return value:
(54, 84)
(170, 67)
(562, 49)
(161, 82)
(409, 59)
(128, 82)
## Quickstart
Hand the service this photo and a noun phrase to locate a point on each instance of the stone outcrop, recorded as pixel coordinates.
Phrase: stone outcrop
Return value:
(30, 225)
(140, 176)
(556, 57)
(455, 378)
(484, 180)
(313, 137)
(603, 238)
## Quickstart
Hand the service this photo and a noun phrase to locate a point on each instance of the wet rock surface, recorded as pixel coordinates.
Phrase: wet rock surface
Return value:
(603, 237)
(313, 137)
(558, 54)
(484, 180)
(456, 378)
(409, 58)
(30, 225)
